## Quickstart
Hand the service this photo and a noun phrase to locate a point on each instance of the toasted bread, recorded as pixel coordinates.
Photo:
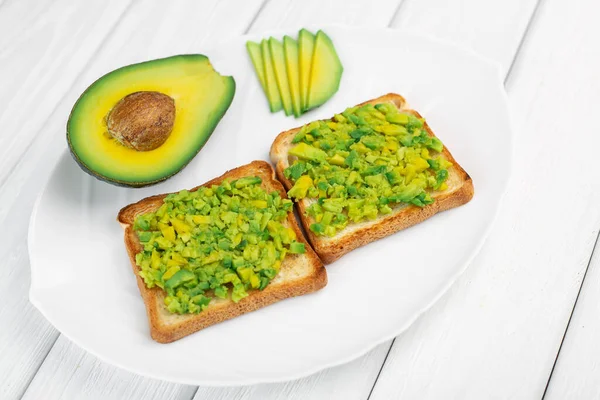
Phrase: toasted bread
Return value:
(329, 249)
(299, 273)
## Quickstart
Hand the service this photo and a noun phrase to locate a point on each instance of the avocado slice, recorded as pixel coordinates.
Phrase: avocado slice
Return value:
(290, 47)
(272, 90)
(257, 61)
(278, 59)
(326, 71)
(306, 45)
(200, 97)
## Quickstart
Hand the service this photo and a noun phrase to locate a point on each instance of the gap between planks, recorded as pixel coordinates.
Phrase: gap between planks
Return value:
(585, 274)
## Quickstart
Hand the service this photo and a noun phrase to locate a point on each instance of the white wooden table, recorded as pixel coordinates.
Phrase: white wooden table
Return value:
(523, 322)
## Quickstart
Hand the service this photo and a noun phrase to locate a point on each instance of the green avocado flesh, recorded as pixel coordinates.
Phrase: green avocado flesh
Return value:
(273, 96)
(278, 59)
(306, 45)
(257, 61)
(220, 241)
(326, 72)
(201, 97)
(290, 47)
(362, 163)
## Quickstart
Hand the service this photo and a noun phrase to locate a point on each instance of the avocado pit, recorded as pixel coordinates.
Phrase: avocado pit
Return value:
(142, 120)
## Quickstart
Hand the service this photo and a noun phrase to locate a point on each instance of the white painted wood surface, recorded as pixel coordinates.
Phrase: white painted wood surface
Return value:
(577, 368)
(70, 373)
(496, 334)
(42, 48)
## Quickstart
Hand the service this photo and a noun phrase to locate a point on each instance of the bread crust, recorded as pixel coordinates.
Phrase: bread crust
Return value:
(403, 216)
(166, 327)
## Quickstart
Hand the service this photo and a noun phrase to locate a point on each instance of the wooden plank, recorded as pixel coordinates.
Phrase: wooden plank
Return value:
(491, 28)
(497, 333)
(43, 47)
(25, 336)
(577, 368)
(148, 30)
(70, 373)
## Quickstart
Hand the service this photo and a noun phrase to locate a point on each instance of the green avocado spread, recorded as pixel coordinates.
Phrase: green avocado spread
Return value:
(363, 162)
(219, 241)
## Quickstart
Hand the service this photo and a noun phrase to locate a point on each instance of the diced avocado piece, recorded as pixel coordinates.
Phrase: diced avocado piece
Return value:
(278, 60)
(393, 130)
(201, 300)
(238, 262)
(144, 236)
(337, 160)
(254, 281)
(307, 152)
(221, 292)
(436, 144)
(326, 71)
(245, 273)
(300, 188)
(290, 48)
(273, 96)
(246, 181)
(238, 293)
(260, 204)
(169, 233)
(317, 228)
(295, 170)
(306, 45)
(186, 90)
(170, 272)
(386, 108)
(257, 61)
(201, 219)
(180, 226)
(297, 248)
(180, 277)
(397, 118)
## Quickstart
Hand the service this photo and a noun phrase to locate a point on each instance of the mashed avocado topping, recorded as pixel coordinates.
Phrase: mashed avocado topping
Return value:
(219, 241)
(362, 163)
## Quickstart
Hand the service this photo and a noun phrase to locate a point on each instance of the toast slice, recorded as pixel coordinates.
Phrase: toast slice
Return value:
(299, 273)
(459, 191)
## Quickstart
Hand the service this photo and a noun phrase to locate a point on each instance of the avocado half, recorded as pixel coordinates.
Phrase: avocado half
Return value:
(201, 96)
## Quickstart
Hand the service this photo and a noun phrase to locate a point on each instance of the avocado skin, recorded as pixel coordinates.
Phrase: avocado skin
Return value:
(225, 103)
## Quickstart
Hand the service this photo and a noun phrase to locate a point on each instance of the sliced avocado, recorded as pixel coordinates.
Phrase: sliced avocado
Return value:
(326, 71)
(185, 99)
(258, 63)
(290, 47)
(278, 59)
(272, 90)
(306, 45)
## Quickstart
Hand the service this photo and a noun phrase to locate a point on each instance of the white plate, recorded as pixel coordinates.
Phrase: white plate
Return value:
(83, 284)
